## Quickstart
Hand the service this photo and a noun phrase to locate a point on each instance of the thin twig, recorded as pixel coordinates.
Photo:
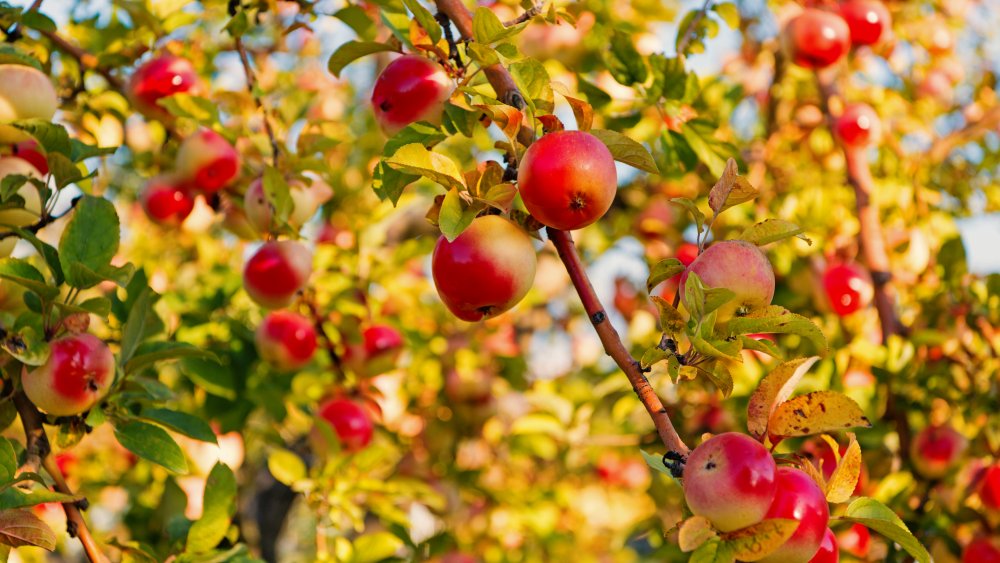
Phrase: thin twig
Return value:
(331, 347)
(251, 80)
(87, 61)
(44, 221)
(527, 15)
(687, 34)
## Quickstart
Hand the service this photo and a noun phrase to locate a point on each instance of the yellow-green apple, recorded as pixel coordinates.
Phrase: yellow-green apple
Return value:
(936, 449)
(78, 374)
(158, 78)
(286, 340)
(740, 267)
(486, 270)
(207, 161)
(868, 20)
(166, 200)
(410, 89)
(799, 498)
(276, 273)
(350, 421)
(25, 93)
(816, 38)
(32, 208)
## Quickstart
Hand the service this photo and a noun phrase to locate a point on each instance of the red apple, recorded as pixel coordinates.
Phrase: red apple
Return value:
(799, 498)
(34, 154)
(936, 449)
(858, 126)
(32, 209)
(856, 540)
(208, 161)
(165, 201)
(486, 270)
(740, 267)
(816, 38)
(982, 550)
(410, 89)
(276, 273)
(868, 20)
(286, 340)
(730, 479)
(828, 551)
(158, 78)
(567, 179)
(350, 421)
(78, 373)
(25, 93)
(379, 352)
(848, 288)
(989, 491)
(687, 253)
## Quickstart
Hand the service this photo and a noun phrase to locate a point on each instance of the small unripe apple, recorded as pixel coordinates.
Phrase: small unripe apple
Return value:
(307, 197)
(989, 491)
(165, 201)
(982, 550)
(740, 267)
(828, 550)
(286, 340)
(858, 126)
(259, 211)
(486, 270)
(30, 151)
(208, 161)
(25, 93)
(567, 179)
(78, 373)
(799, 498)
(868, 20)
(351, 422)
(730, 479)
(856, 540)
(410, 89)
(158, 78)
(276, 273)
(32, 210)
(936, 449)
(816, 38)
(848, 288)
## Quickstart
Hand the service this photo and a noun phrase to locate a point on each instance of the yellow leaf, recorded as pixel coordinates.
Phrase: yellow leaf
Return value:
(694, 532)
(845, 477)
(773, 390)
(815, 473)
(760, 540)
(815, 413)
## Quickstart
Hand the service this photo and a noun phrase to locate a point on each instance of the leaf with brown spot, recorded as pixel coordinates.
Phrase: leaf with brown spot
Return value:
(845, 477)
(694, 532)
(21, 527)
(774, 389)
(671, 320)
(815, 413)
(760, 540)
(731, 189)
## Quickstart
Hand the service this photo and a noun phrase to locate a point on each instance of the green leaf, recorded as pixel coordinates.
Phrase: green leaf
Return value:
(487, 27)
(10, 54)
(352, 51)
(286, 467)
(48, 252)
(875, 515)
(717, 297)
(238, 24)
(37, 20)
(51, 136)
(8, 460)
(152, 443)
(694, 296)
(669, 78)
(389, 183)
(626, 65)
(692, 208)
(24, 274)
(775, 319)
(625, 149)
(425, 19)
(713, 551)
(653, 356)
(729, 13)
(21, 527)
(15, 497)
(90, 240)
(211, 376)
(134, 330)
(534, 82)
(595, 95)
(671, 320)
(356, 18)
(663, 271)
(455, 216)
(181, 422)
(277, 192)
(420, 132)
(483, 55)
(153, 352)
(416, 159)
(370, 548)
(219, 506)
(772, 230)
(700, 136)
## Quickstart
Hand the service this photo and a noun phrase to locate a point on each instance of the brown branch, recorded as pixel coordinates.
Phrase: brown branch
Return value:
(527, 15)
(688, 33)
(87, 61)
(331, 347)
(44, 221)
(75, 524)
(943, 146)
(251, 80)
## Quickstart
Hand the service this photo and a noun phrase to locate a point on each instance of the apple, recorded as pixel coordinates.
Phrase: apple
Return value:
(740, 267)
(567, 179)
(307, 197)
(856, 540)
(259, 211)
(286, 340)
(868, 20)
(458, 557)
(78, 374)
(730, 479)
(165, 201)
(379, 351)
(350, 421)
(982, 550)
(816, 38)
(936, 449)
(207, 161)
(34, 154)
(848, 287)
(828, 551)
(989, 491)
(858, 127)
(25, 93)
(277, 272)
(486, 270)
(32, 209)
(799, 498)
(159, 78)
(410, 89)
(687, 253)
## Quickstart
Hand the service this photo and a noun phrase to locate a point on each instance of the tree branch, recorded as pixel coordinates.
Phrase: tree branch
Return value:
(331, 348)
(87, 61)
(943, 146)
(687, 34)
(44, 221)
(251, 80)
(527, 15)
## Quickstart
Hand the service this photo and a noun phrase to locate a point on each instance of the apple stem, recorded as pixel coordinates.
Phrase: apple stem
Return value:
(251, 80)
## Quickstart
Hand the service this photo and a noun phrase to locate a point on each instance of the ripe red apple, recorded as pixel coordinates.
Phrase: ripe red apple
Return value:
(799, 498)
(989, 491)
(486, 270)
(78, 373)
(379, 351)
(32, 210)
(286, 340)
(158, 78)
(740, 267)
(350, 421)
(34, 154)
(730, 479)
(856, 540)
(410, 89)
(858, 126)
(828, 551)
(208, 161)
(165, 201)
(982, 550)
(276, 272)
(25, 93)
(936, 449)
(567, 179)
(848, 287)
(687, 253)
(816, 38)
(868, 20)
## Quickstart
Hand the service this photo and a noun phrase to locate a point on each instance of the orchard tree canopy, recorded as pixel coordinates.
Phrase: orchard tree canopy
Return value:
(536, 280)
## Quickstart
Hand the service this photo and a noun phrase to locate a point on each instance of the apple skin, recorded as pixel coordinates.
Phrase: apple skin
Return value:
(259, 212)
(158, 78)
(858, 127)
(351, 422)
(738, 266)
(306, 200)
(276, 272)
(799, 498)
(410, 89)
(856, 540)
(30, 151)
(207, 161)
(828, 551)
(286, 340)
(77, 375)
(487, 270)
(730, 479)
(567, 179)
(379, 351)
(32, 210)
(989, 492)
(816, 38)
(25, 93)
(936, 449)
(868, 20)
(982, 550)
(165, 201)
(848, 288)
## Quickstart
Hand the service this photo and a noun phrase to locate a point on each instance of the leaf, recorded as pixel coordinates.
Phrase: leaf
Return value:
(692, 208)
(24, 274)
(774, 389)
(729, 13)
(671, 320)
(202, 110)
(454, 216)
(90, 239)
(731, 189)
(625, 149)
(694, 532)
(286, 467)
(388, 184)
(277, 192)
(694, 296)
(760, 540)
(772, 230)
(416, 159)
(151, 443)
(700, 136)
(625, 64)
(500, 196)
(662, 271)
(153, 352)
(535, 84)
(210, 376)
(352, 51)
(238, 24)
(134, 330)
(8, 460)
(182, 422)
(10, 54)
(653, 356)
(37, 20)
(370, 548)
(721, 378)
(713, 551)
(21, 527)
(18, 498)
(51, 136)
(47, 251)
(219, 505)
(656, 462)
(597, 97)
(487, 27)
(425, 19)
(669, 78)
(582, 111)
(845, 477)
(716, 297)
(507, 118)
(775, 319)
(815, 413)
(875, 515)
(421, 132)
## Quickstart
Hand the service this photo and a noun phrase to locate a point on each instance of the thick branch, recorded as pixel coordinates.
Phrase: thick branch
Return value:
(251, 80)
(76, 525)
